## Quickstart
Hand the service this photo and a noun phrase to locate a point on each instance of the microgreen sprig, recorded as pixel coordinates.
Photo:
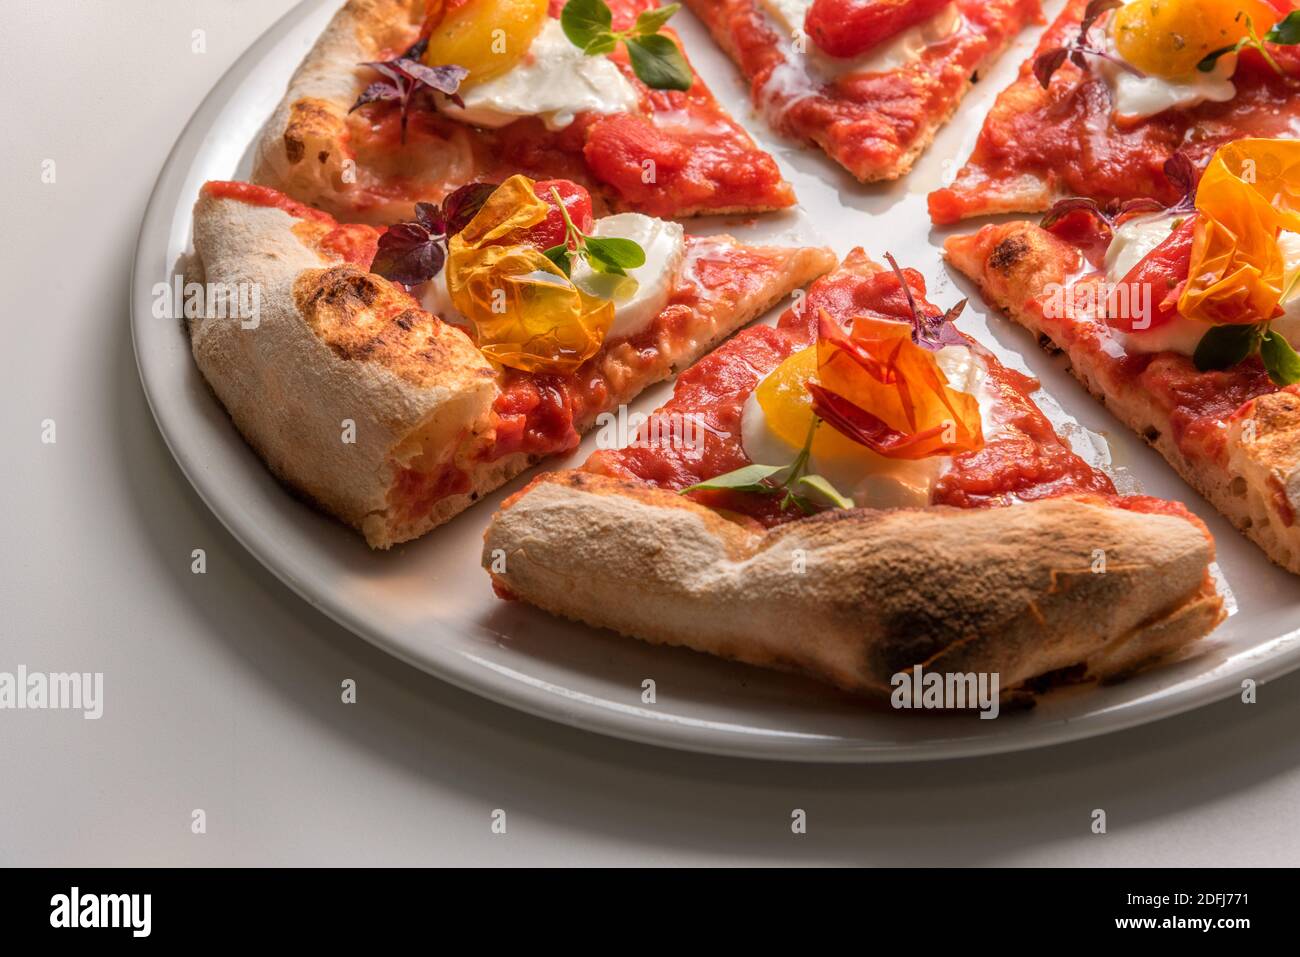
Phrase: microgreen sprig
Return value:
(610, 257)
(1226, 345)
(1079, 49)
(655, 58)
(791, 481)
(1286, 32)
(405, 76)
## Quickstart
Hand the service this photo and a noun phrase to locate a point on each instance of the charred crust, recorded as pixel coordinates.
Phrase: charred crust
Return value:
(362, 317)
(1009, 253)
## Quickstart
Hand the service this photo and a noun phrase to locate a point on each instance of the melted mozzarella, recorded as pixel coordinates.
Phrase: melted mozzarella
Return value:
(555, 82)
(899, 50)
(1137, 97)
(871, 480)
(665, 245)
(1138, 237)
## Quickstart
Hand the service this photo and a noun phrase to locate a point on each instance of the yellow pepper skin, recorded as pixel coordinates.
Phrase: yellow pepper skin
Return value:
(1249, 193)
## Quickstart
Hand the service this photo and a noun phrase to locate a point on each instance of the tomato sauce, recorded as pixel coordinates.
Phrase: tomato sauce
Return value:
(867, 122)
(701, 159)
(1023, 458)
(349, 242)
(1066, 134)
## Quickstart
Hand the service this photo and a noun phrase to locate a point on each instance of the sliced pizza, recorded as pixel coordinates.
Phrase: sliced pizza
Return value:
(394, 390)
(1183, 321)
(854, 492)
(869, 81)
(1117, 89)
(402, 101)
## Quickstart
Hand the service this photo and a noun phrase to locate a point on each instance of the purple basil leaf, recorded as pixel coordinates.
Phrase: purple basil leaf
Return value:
(1182, 172)
(382, 90)
(1093, 13)
(429, 216)
(463, 205)
(1048, 63)
(1064, 207)
(408, 254)
(444, 79)
(386, 69)
(416, 50)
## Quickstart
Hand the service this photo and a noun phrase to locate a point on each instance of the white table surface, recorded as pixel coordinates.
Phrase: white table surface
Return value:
(222, 690)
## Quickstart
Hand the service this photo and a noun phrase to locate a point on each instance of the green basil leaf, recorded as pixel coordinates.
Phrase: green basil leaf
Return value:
(1224, 346)
(1210, 59)
(1286, 32)
(617, 286)
(615, 252)
(650, 21)
(1280, 359)
(562, 256)
(823, 487)
(584, 21)
(658, 62)
(603, 45)
(747, 479)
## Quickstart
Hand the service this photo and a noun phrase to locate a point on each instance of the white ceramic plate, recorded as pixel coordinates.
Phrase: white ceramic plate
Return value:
(430, 604)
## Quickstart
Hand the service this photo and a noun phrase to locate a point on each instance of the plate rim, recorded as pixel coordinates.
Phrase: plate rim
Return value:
(569, 708)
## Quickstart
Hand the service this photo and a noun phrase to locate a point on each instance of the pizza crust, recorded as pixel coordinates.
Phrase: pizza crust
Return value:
(339, 353)
(853, 597)
(1257, 485)
(304, 149)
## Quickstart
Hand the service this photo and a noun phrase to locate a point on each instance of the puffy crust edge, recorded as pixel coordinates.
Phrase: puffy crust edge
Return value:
(1011, 591)
(1257, 489)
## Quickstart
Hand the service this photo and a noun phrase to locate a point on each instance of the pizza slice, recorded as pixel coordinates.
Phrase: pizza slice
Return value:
(402, 101)
(869, 81)
(1115, 89)
(1183, 321)
(857, 491)
(394, 390)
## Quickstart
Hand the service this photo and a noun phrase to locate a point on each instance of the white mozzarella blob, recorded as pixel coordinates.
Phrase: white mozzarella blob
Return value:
(555, 82)
(664, 243)
(1137, 97)
(1138, 237)
(871, 480)
(903, 48)
(434, 298)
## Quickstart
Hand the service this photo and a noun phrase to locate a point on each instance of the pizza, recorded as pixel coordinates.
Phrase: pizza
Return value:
(1183, 320)
(865, 490)
(395, 375)
(1115, 90)
(869, 81)
(402, 101)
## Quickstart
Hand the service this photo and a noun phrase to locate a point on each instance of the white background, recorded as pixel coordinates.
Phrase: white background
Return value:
(222, 690)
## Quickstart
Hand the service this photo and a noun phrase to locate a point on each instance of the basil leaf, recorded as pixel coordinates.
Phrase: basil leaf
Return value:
(747, 479)
(1047, 63)
(658, 62)
(1208, 61)
(1286, 32)
(603, 45)
(1280, 359)
(823, 486)
(584, 21)
(463, 205)
(650, 21)
(620, 254)
(408, 254)
(1224, 346)
(562, 256)
(606, 285)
